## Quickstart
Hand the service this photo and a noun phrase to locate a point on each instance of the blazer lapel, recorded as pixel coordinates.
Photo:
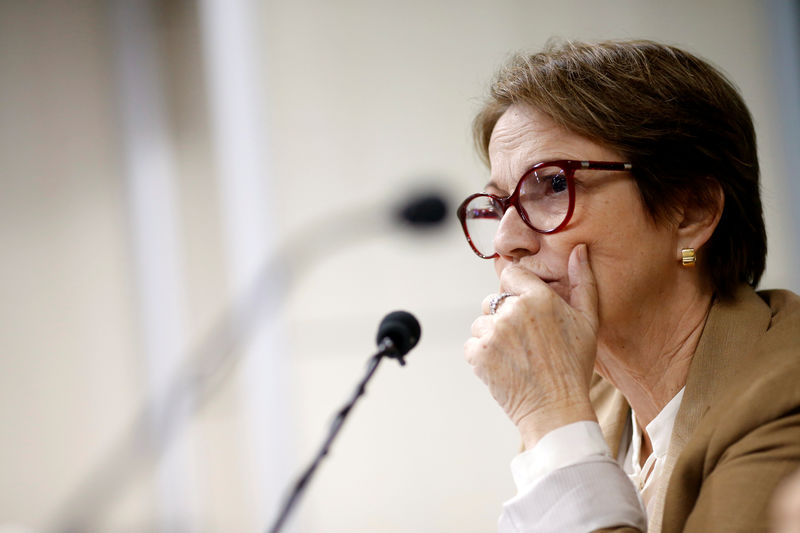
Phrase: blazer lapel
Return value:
(612, 411)
(732, 329)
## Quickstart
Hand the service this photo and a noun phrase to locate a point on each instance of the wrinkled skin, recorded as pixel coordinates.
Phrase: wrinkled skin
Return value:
(606, 293)
(523, 382)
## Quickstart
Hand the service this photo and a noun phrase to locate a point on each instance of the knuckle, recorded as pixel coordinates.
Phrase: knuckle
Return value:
(475, 328)
(482, 326)
(504, 328)
(470, 350)
(540, 298)
(508, 274)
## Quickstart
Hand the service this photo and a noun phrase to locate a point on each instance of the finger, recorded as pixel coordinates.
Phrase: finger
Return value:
(582, 284)
(473, 349)
(518, 280)
(486, 304)
(483, 325)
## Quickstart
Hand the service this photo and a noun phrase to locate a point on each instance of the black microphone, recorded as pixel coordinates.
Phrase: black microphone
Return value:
(424, 210)
(213, 359)
(398, 332)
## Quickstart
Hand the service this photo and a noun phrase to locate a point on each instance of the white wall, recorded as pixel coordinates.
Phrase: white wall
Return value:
(68, 342)
(363, 102)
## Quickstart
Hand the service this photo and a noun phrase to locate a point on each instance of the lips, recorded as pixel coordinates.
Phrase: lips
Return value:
(547, 279)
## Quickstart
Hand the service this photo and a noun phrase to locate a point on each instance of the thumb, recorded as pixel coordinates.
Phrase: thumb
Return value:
(582, 285)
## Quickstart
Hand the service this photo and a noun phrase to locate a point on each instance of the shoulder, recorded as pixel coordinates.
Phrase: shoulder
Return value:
(767, 360)
(777, 350)
(743, 393)
(784, 309)
(755, 371)
(746, 369)
(751, 331)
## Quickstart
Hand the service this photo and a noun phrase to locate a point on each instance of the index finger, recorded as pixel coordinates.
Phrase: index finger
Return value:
(518, 280)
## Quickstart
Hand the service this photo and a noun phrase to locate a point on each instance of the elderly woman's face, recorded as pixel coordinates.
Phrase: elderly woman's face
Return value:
(633, 259)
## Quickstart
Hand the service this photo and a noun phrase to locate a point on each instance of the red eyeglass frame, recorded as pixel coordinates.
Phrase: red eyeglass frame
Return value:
(569, 167)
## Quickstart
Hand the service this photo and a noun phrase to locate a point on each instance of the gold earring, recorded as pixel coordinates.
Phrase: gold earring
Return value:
(688, 257)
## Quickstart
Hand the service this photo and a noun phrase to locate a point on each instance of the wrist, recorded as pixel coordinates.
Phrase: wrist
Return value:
(535, 425)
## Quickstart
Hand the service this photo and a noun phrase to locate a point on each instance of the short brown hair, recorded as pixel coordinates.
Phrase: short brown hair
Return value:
(681, 123)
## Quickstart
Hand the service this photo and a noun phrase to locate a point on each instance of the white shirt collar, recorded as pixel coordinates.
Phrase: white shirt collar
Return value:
(659, 430)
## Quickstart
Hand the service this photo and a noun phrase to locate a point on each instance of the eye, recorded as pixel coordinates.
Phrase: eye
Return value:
(545, 184)
(558, 183)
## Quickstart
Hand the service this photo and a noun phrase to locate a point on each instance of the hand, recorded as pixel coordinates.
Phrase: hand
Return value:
(536, 354)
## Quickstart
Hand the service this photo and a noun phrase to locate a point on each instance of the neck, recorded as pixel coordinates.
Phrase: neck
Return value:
(648, 359)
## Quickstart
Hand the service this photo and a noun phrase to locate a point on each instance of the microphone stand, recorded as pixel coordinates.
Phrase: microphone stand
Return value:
(385, 348)
(207, 366)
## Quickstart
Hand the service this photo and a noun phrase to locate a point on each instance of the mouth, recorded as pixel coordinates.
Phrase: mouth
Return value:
(558, 287)
(552, 283)
(547, 279)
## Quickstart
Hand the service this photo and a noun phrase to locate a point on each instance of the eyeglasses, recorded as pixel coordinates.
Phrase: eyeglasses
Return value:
(544, 199)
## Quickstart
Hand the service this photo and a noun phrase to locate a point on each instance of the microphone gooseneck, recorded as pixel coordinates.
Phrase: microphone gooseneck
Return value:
(398, 332)
(211, 362)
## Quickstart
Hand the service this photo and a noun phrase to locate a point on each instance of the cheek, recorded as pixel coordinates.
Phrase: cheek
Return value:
(619, 237)
(629, 270)
(626, 256)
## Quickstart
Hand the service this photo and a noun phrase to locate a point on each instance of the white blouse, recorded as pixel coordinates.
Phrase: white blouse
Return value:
(570, 482)
(660, 430)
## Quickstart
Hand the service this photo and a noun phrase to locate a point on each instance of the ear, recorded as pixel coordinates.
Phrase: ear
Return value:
(699, 219)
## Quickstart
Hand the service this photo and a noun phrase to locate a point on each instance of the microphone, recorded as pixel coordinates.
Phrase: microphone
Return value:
(398, 333)
(208, 365)
(425, 210)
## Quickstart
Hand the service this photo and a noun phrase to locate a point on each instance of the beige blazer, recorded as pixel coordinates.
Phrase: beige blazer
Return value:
(737, 433)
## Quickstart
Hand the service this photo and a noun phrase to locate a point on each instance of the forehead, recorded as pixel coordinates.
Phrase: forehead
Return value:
(524, 136)
(520, 127)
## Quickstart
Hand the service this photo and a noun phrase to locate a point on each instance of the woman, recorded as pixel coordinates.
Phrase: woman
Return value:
(626, 342)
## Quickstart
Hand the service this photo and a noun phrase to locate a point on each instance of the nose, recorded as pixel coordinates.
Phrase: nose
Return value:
(514, 238)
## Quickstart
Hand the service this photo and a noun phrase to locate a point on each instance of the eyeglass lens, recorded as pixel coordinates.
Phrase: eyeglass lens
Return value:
(543, 195)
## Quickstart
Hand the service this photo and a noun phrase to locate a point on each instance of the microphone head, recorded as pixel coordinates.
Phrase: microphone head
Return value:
(402, 329)
(425, 210)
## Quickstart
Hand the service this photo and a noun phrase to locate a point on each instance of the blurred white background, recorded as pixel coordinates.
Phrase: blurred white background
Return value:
(153, 154)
